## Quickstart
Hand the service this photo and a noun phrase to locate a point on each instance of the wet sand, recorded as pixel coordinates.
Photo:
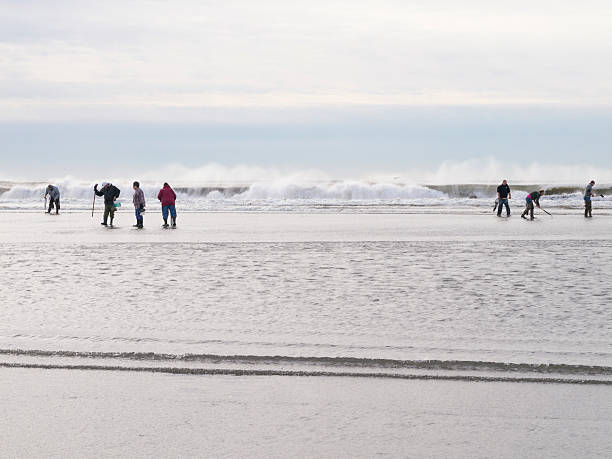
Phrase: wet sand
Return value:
(292, 227)
(58, 413)
(492, 299)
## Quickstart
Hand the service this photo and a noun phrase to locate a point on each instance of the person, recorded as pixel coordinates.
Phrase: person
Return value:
(54, 198)
(139, 205)
(588, 194)
(532, 197)
(110, 193)
(167, 196)
(503, 194)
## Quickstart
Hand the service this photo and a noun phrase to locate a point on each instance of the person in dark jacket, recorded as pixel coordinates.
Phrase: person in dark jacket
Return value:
(503, 194)
(139, 205)
(167, 196)
(54, 198)
(110, 193)
(532, 197)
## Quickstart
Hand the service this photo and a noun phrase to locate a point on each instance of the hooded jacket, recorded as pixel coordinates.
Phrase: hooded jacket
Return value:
(110, 193)
(167, 196)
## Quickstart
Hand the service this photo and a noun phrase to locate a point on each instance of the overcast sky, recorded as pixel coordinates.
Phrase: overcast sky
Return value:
(325, 84)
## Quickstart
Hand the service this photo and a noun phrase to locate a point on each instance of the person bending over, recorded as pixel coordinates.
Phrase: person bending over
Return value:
(54, 198)
(533, 197)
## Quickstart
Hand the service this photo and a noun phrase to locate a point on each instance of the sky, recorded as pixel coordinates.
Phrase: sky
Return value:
(347, 87)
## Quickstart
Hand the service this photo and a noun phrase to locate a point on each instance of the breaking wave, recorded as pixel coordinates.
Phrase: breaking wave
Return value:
(297, 192)
(279, 189)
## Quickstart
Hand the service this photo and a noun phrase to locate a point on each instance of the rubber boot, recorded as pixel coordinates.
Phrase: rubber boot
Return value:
(165, 223)
(141, 223)
(173, 222)
(111, 222)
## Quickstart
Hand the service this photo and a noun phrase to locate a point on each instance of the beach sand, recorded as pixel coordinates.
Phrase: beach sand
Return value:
(473, 306)
(105, 414)
(298, 227)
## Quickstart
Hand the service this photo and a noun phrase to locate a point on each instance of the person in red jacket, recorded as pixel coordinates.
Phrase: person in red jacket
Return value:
(167, 196)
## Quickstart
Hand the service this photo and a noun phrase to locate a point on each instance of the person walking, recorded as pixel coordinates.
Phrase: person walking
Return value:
(54, 198)
(532, 197)
(139, 205)
(167, 196)
(588, 194)
(110, 193)
(503, 194)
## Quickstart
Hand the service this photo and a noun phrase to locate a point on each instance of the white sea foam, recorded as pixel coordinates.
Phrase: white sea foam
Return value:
(341, 190)
(288, 188)
(489, 170)
(218, 187)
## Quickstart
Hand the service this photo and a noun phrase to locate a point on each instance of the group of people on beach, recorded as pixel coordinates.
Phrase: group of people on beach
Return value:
(167, 197)
(110, 192)
(504, 194)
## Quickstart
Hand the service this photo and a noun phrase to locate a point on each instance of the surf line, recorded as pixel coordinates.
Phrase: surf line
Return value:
(240, 372)
(359, 362)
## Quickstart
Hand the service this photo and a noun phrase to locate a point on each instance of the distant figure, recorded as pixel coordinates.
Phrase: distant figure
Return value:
(167, 196)
(532, 197)
(54, 198)
(588, 194)
(503, 194)
(139, 205)
(110, 193)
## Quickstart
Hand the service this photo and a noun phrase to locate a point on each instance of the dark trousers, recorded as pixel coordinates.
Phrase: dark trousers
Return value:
(52, 202)
(529, 208)
(139, 218)
(503, 202)
(109, 209)
(588, 208)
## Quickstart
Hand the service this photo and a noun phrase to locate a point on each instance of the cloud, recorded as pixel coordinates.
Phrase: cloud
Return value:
(131, 60)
